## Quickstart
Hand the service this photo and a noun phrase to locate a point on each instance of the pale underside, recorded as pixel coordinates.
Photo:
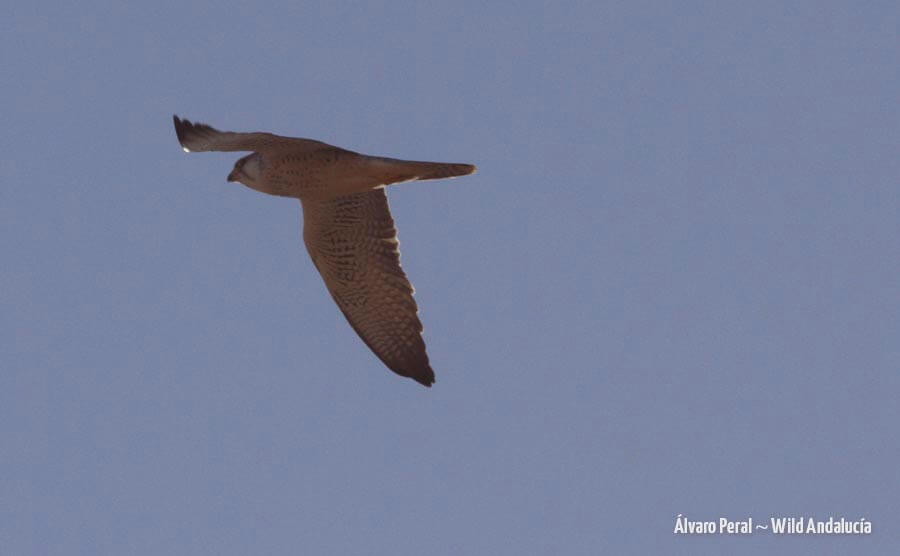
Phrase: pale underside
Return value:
(348, 229)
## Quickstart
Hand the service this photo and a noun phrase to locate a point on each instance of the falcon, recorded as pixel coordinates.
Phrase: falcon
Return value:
(347, 228)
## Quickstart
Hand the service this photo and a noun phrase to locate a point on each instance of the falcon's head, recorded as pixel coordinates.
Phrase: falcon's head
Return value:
(247, 170)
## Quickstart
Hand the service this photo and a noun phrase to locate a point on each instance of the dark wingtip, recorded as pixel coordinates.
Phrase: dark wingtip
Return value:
(426, 379)
(195, 133)
(180, 128)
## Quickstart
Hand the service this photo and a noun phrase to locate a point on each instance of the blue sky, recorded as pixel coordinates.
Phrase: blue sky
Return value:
(672, 288)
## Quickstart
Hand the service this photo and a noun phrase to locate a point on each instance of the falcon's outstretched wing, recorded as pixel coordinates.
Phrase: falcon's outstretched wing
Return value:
(201, 137)
(353, 243)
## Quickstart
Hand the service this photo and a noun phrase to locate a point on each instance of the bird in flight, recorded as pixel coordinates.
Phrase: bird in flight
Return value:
(347, 228)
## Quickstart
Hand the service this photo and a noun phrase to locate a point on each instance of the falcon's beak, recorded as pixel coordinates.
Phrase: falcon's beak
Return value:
(231, 176)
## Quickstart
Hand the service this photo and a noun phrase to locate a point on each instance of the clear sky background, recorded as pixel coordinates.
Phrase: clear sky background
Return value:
(672, 288)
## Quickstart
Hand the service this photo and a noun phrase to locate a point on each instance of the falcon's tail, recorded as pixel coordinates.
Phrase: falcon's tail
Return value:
(438, 170)
(406, 170)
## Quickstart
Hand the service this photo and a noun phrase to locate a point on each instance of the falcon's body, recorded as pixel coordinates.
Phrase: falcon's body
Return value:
(348, 229)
